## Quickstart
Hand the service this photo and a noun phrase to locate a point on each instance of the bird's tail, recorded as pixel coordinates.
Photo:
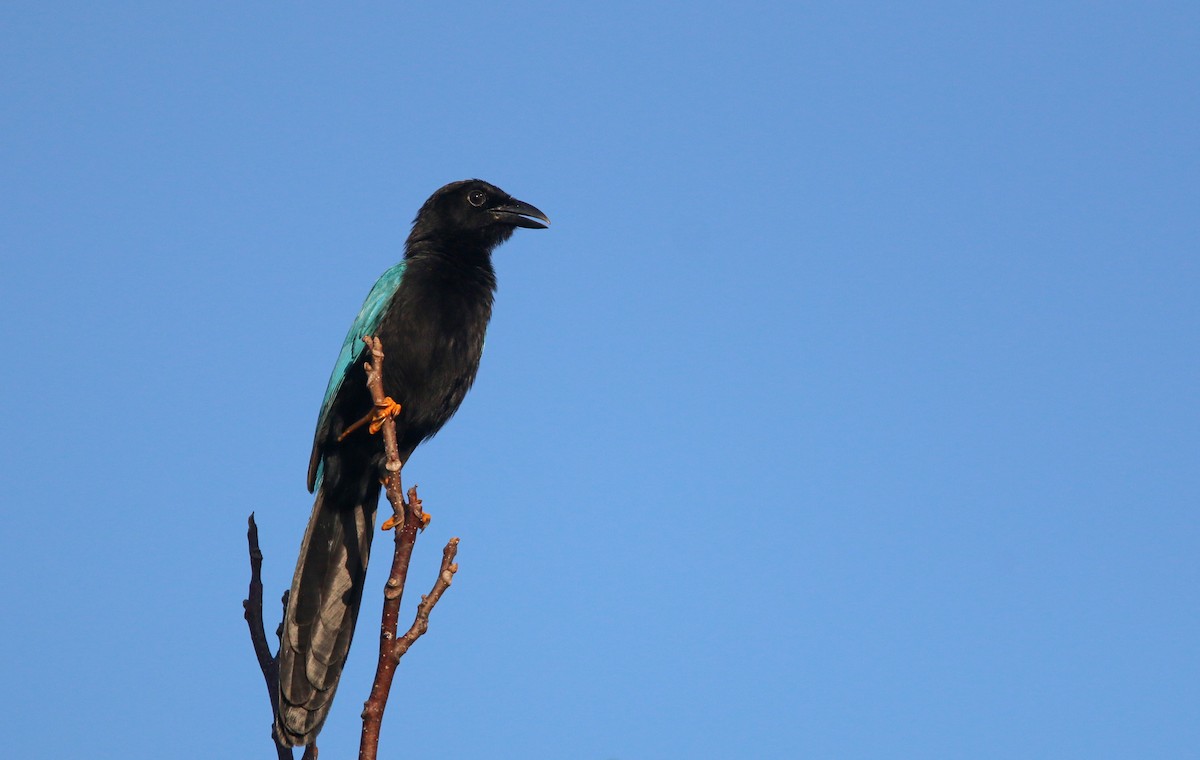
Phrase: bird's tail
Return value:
(323, 607)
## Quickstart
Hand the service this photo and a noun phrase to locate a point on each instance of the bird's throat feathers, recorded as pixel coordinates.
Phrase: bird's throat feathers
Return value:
(451, 285)
(444, 265)
(458, 243)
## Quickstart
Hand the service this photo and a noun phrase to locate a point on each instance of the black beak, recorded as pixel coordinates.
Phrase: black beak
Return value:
(520, 214)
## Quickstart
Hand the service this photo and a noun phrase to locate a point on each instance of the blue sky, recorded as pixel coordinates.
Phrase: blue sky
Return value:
(848, 409)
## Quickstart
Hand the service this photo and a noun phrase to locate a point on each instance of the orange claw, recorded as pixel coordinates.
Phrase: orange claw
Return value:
(387, 408)
(383, 410)
(396, 520)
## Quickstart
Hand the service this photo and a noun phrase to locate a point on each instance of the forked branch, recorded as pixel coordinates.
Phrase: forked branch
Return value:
(252, 611)
(406, 521)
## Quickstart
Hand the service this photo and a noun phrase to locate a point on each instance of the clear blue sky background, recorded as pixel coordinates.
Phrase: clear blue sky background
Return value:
(849, 409)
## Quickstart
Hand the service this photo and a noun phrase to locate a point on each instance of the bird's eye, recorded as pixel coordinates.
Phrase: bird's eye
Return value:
(476, 197)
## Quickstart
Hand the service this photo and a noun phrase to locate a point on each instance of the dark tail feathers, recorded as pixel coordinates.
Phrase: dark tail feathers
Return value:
(323, 607)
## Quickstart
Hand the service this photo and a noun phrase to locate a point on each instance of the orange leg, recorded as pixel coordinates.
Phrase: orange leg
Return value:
(389, 408)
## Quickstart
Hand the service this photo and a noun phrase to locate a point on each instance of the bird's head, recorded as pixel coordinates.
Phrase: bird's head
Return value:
(474, 211)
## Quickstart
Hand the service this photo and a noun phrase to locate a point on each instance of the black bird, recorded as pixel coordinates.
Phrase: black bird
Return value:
(430, 312)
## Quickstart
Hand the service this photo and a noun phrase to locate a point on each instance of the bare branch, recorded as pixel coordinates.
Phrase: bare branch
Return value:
(429, 601)
(407, 520)
(252, 611)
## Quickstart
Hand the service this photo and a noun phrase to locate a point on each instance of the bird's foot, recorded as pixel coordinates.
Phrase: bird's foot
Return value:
(398, 519)
(388, 408)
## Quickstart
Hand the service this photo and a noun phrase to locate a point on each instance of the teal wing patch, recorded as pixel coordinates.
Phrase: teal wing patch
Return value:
(366, 323)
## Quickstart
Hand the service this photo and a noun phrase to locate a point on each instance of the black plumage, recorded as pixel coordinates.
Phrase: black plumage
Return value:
(430, 312)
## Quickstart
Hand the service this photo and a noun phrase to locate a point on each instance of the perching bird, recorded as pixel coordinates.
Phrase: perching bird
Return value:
(430, 313)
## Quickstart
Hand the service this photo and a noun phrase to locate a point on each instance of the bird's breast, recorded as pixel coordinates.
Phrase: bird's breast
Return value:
(433, 339)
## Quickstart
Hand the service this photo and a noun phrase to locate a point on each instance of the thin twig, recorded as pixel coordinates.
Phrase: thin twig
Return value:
(428, 601)
(407, 520)
(252, 611)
